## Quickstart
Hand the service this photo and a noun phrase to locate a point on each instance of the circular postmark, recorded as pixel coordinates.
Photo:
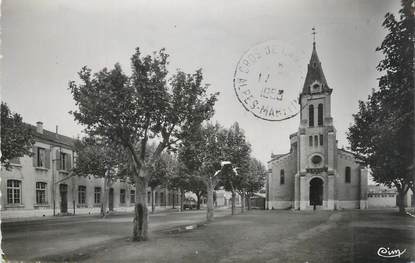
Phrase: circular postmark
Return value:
(267, 79)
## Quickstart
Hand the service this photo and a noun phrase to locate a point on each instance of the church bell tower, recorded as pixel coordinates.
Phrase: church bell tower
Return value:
(317, 138)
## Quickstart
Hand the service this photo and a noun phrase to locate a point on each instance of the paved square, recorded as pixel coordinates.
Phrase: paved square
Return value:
(256, 236)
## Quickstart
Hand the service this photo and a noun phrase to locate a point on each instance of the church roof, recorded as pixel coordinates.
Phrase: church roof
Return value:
(277, 156)
(315, 73)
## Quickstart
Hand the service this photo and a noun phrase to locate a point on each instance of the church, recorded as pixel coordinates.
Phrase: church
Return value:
(315, 174)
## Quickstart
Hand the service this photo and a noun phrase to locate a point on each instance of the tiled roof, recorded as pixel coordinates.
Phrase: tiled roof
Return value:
(52, 137)
(314, 73)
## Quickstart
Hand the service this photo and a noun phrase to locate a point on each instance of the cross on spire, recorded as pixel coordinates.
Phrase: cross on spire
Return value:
(314, 36)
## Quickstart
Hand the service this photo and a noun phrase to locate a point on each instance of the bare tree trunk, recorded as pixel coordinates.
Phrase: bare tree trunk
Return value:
(402, 190)
(243, 202)
(198, 195)
(182, 196)
(173, 197)
(104, 200)
(401, 204)
(153, 205)
(140, 231)
(233, 202)
(180, 200)
(210, 209)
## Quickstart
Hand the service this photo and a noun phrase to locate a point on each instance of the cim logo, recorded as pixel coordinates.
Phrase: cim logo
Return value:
(388, 253)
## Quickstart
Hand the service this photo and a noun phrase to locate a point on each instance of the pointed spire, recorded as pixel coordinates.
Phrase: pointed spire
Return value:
(314, 71)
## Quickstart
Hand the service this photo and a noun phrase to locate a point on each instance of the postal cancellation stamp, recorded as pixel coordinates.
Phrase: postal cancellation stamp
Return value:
(267, 81)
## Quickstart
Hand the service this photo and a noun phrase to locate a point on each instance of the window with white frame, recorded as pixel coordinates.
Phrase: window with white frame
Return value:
(82, 194)
(97, 195)
(14, 192)
(41, 193)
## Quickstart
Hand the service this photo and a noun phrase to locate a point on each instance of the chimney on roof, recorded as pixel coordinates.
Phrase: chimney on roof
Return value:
(39, 127)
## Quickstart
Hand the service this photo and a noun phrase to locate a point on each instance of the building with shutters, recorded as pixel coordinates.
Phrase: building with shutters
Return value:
(315, 174)
(39, 183)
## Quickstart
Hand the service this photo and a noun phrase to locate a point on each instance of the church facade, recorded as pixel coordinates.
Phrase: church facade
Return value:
(315, 174)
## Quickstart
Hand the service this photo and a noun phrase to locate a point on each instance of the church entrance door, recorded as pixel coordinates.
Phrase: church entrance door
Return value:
(316, 191)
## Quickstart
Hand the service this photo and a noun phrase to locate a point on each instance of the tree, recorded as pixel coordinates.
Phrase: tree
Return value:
(180, 181)
(16, 137)
(202, 153)
(237, 152)
(383, 131)
(198, 187)
(131, 110)
(255, 180)
(99, 158)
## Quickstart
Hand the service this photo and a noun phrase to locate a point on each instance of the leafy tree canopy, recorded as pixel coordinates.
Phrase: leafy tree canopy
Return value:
(97, 156)
(16, 137)
(237, 151)
(383, 131)
(130, 110)
(256, 177)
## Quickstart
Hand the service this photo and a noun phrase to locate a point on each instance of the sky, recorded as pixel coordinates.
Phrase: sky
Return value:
(44, 43)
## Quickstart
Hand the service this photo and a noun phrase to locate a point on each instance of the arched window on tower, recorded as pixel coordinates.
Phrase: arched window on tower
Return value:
(347, 177)
(320, 115)
(282, 177)
(311, 115)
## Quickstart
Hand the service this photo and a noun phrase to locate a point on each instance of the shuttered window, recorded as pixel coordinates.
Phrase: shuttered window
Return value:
(64, 161)
(41, 157)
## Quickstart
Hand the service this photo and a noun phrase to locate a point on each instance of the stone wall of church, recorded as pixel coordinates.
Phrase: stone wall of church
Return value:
(281, 191)
(348, 192)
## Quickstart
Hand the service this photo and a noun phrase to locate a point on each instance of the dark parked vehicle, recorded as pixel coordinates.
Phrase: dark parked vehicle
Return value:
(189, 203)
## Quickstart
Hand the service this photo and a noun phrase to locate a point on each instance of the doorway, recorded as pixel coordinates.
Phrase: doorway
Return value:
(316, 191)
(63, 191)
(111, 199)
